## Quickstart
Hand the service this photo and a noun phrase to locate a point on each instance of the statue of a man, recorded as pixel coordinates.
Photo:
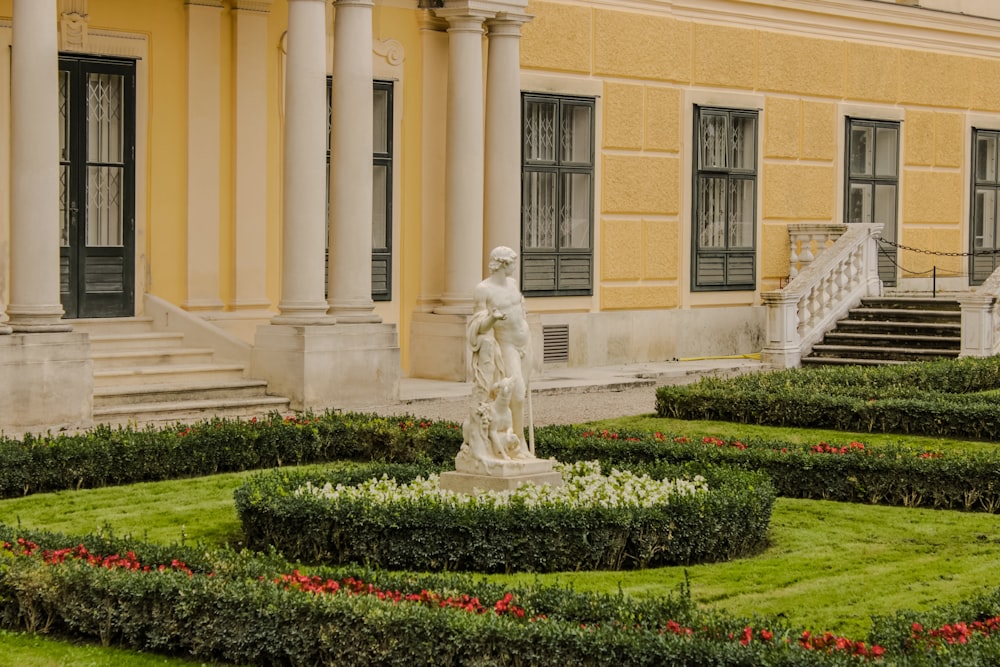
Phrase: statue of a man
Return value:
(501, 349)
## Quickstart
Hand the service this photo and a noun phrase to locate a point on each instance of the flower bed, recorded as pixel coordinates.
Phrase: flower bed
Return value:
(254, 609)
(593, 522)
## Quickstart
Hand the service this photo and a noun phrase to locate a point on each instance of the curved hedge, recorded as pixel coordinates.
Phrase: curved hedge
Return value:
(249, 608)
(727, 521)
(943, 398)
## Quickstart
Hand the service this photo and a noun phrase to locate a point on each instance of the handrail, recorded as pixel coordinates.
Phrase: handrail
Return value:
(981, 318)
(823, 292)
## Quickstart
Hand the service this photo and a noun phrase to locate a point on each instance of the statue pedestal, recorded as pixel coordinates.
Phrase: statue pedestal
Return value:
(463, 482)
(498, 475)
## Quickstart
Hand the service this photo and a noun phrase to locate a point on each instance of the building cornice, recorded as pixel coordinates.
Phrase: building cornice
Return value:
(892, 24)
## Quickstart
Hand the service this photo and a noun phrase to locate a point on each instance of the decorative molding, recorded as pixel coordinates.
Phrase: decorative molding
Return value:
(74, 34)
(73, 25)
(390, 49)
(256, 6)
(214, 4)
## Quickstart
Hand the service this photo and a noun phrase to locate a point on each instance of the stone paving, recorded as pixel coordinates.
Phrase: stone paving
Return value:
(570, 395)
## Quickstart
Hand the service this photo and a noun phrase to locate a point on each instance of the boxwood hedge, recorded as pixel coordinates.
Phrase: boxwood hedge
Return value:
(727, 521)
(950, 398)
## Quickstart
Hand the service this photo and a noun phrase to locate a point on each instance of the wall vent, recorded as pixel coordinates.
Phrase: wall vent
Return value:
(555, 343)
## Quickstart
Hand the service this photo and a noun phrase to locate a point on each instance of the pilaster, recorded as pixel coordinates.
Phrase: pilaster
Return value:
(433, 121)
(204, 153)
(249, 21)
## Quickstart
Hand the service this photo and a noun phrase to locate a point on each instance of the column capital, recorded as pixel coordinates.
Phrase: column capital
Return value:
(507, 23)
(212, 4)
(353, 3)
(462, 19)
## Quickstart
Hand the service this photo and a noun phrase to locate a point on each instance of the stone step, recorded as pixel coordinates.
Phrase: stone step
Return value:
(911, 303)
(175, 374)
(846, 361)
(890, 353)
(135, 341)
(188, 411)
(904, 315)
(945, 329)
(113, 325)
(123, 395)
(837, 337)
(152, 357)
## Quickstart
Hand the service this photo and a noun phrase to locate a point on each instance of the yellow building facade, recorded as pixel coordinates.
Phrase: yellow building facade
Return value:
(644, 158)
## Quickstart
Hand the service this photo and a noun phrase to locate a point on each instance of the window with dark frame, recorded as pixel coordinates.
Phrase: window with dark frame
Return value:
(557, 195)
(724, 212)
(983, 240)
(381, 185)
(872, 184)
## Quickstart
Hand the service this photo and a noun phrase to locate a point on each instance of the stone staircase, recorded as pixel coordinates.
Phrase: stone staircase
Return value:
(146, 376)
(892, 330)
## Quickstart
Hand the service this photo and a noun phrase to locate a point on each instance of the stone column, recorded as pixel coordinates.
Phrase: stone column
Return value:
(34, 155)
(350, 286)
(204, 153)
(503, 134)
(251, 160)
(464, 155)
(304, 187)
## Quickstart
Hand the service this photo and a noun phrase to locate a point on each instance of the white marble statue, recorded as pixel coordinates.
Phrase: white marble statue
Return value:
(500, 352)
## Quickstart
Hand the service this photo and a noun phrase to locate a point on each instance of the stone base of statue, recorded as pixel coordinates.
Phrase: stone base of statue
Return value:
(472, 475)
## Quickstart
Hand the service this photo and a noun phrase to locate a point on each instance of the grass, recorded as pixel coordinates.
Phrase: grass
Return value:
(830, 566)
(732, 431)
(24, 650)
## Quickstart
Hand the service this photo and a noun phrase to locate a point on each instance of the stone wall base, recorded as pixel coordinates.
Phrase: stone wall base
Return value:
(319, 367)
(439, 351)
(46, 382)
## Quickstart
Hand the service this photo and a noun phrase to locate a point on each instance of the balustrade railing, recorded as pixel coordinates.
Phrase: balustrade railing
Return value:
(808, 240)
(833, 280)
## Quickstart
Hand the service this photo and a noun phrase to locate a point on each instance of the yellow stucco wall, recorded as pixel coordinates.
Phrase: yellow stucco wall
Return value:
(651, 61)
(647, 65)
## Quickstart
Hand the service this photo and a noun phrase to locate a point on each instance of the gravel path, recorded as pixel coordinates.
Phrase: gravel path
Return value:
(567, 407)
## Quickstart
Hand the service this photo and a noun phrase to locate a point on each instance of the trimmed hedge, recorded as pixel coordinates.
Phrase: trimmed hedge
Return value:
(227, 606)
(728, 521)
(111, 457)
(888, 475)
(944, 398)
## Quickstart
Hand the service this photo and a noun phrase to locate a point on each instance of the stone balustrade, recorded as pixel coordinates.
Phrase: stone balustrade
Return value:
(833, 280)
(808, 240)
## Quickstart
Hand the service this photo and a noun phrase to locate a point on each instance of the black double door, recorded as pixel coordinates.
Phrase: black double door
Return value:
(97, 186)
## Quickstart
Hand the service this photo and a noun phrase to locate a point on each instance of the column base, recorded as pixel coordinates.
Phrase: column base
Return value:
(438, 348)
(46, 382)
(323, 367)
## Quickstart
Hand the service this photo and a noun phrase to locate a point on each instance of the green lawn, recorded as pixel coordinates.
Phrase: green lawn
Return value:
(830, 566)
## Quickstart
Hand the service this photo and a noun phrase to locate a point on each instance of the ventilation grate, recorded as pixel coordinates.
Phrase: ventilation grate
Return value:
(555, 343)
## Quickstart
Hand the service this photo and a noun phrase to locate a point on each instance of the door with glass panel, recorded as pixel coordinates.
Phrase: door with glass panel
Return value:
(872, 188)
(97, 186)
(984, 246)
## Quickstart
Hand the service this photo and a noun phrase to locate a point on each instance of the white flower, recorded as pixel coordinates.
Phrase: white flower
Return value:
(583, 486)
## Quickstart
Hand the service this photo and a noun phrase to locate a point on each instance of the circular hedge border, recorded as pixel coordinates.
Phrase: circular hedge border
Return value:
(728, 520)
